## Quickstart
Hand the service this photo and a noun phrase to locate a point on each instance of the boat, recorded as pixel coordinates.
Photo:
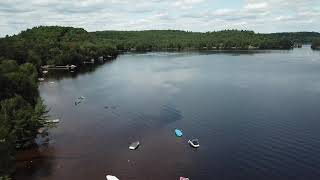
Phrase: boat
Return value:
(183, 178)
(40, 79)
(53, 121)
(178, 132)
(109, 177)
(194, 143)
(81, 97)
(73, 66)
(79, 100)
(134, 145)
(44, 72)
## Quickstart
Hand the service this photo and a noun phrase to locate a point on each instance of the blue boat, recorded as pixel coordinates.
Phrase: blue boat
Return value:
(178, 132)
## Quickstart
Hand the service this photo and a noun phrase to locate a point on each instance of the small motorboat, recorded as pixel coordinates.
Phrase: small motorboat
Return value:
(109, 177)
(81, 97)
(178, 132)
(134, 145)
(194, 143)
(53, 121)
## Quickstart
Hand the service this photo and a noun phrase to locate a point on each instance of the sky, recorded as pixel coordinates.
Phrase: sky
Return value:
(192, 15)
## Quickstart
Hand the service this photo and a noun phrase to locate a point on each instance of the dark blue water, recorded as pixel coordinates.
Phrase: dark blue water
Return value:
(256, 115)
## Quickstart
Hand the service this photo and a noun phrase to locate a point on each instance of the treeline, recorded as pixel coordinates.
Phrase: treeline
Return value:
(298, 37)
(54, 45)
(46, 45)
(153, 40)
(22, 111)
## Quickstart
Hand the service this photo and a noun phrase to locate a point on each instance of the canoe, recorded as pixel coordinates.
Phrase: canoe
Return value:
(178, 132)
(194, 143)
(109, 177)
(134, 145)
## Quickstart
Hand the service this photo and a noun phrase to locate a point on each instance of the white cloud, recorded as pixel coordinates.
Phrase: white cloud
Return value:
(254, 6)
(196, 15)
(186, 4)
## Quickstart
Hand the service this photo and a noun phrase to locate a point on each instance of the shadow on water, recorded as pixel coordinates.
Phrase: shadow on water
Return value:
(30, 161)
(146, 122)
(169, 114)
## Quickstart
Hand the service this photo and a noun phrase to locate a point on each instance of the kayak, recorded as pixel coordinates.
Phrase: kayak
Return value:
(134, 145)
(194, 143)
(178, 132)
(109, 177)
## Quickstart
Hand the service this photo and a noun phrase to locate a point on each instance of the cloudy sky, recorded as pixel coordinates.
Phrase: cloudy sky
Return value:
(194, 15)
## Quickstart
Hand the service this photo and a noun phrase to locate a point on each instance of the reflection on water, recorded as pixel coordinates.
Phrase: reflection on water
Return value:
(254, 113)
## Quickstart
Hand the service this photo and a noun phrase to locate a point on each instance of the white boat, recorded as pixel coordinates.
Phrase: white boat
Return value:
(53, 121)
(81, 97)
(73, 66)
(194, 143)
(134, 145)
(109, 177)
(183, 178)
(44, 72)
(40, 79)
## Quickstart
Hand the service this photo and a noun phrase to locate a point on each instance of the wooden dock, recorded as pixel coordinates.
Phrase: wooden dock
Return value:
(67, 67)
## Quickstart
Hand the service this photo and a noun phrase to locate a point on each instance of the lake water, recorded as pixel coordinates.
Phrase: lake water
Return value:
(256, 115)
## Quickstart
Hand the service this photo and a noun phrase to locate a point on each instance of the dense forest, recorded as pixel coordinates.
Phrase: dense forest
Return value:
(22, 55)
(298, 37)
(22, 111)
(54, 45)
(154, 40)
